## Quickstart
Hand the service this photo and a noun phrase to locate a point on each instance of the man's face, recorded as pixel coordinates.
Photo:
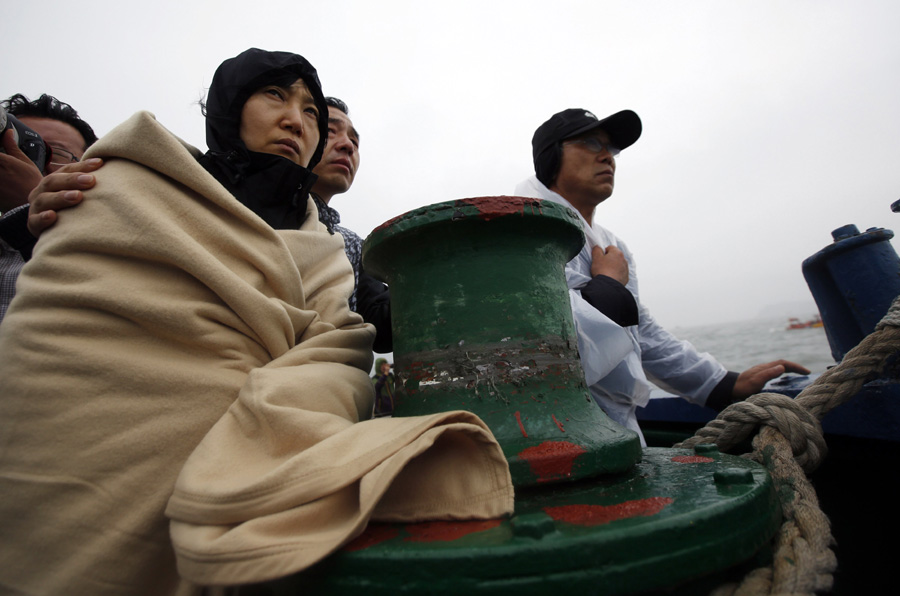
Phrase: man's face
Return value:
(385, 368)
(338, 165)
(585, 175)
(282, 121)
(63, 139)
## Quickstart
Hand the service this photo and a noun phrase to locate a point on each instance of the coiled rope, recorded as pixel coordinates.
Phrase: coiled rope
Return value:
(790, 444)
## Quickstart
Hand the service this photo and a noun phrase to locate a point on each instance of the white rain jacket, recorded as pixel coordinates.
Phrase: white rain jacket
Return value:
(619, 380)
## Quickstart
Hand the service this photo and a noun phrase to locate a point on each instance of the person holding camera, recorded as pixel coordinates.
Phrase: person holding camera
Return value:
(65, 138)
(39, 137)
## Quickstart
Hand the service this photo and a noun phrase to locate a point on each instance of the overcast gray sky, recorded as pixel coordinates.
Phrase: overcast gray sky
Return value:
(767, 124)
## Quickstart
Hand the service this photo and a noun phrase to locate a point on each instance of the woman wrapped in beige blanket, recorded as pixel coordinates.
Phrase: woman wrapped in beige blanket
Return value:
(183, 381)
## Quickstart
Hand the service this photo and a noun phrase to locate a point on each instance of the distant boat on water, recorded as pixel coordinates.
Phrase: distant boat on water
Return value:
(795, 323)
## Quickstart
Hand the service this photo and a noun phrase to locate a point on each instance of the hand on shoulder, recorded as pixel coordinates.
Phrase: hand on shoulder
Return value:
(59, 190)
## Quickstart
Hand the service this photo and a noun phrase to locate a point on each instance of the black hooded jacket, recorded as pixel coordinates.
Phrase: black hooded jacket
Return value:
(273, 187)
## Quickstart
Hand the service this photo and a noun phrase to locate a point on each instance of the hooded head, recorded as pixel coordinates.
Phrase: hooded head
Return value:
(623, 128)
(238, 78)
(379, 363)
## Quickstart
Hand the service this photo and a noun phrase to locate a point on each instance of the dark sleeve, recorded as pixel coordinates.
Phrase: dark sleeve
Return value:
(721, 396)
(373, 302)
(14, 231)
(612, 299)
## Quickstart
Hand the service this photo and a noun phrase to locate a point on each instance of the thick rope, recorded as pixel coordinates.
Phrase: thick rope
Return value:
(791, 443)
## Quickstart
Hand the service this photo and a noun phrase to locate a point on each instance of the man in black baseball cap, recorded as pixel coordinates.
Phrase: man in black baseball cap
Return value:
(575, 164)
(623, 129)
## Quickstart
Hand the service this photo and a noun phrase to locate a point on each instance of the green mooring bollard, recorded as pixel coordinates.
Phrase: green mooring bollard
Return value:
(482, 322)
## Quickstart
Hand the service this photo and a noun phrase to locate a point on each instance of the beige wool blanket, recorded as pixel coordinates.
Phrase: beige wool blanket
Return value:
(181, 394)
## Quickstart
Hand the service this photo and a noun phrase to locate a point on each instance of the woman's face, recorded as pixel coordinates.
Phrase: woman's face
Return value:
(282, 121)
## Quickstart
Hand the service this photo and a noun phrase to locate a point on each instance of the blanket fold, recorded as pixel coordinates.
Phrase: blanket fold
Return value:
(443, 466)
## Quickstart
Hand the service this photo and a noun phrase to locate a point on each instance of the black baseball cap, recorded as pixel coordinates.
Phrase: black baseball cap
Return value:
(623, 128)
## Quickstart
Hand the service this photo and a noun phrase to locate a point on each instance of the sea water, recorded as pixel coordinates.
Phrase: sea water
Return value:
(738, 346)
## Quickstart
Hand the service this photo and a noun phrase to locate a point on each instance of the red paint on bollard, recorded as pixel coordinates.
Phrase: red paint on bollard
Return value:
(595, 515)
(557, 423)
(372, 535)
(445, 531)
(552, 460)
(521, 426)
(491, 207)
(692, 459)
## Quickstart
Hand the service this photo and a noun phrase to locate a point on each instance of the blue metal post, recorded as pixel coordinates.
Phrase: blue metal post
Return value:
(854, 281)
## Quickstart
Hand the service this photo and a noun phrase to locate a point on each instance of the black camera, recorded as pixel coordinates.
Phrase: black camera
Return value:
(29, 141)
